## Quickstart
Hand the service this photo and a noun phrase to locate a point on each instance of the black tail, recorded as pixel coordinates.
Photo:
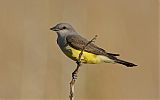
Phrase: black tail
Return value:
(128, 64)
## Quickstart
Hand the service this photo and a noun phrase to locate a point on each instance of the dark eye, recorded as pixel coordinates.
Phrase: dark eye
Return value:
(64, 27)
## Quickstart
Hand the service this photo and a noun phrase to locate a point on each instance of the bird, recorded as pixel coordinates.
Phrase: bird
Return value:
(72, 43)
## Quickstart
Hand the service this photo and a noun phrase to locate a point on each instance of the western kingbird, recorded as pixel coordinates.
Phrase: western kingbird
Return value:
(71, 43)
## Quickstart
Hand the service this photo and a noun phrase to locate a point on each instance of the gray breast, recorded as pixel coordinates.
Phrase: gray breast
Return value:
(61, 41)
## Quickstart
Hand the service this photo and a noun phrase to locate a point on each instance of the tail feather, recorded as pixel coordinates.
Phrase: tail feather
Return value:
(128, 64)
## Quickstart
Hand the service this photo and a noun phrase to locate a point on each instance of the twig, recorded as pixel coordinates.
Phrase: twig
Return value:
(75, 73)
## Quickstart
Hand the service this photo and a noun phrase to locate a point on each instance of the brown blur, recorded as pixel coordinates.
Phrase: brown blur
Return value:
(32, 67)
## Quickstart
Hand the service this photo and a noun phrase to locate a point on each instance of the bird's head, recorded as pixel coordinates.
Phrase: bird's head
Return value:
(63, 28)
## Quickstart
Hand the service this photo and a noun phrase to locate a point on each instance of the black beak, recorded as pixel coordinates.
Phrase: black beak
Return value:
(54, 29)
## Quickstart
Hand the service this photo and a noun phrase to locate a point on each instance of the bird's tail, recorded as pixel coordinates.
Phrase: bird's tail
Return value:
(128, 64)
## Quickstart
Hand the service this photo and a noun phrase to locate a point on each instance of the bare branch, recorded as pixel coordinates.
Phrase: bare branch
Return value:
(75, 73)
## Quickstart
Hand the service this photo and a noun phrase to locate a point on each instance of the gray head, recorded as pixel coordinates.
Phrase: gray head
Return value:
(63, 28)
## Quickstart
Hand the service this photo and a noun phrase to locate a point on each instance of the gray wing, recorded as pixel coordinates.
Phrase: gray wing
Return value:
(78, 42)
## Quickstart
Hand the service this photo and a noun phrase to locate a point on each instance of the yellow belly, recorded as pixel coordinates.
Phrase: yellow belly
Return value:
(88, 58)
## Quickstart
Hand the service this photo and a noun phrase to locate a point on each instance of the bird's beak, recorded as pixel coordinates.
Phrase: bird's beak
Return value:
(54, 29)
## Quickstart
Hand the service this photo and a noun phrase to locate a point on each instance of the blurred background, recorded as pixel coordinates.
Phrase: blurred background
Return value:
(32, 67)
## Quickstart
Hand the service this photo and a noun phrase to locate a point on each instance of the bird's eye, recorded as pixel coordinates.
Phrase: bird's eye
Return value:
(64, 27)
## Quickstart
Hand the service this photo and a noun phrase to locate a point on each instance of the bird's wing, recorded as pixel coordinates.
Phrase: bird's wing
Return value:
(78, 42)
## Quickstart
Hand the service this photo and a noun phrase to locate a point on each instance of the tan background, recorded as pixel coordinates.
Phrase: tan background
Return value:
(32, 67)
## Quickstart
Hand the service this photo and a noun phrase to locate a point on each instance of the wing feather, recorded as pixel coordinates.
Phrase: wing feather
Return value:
(78, 42)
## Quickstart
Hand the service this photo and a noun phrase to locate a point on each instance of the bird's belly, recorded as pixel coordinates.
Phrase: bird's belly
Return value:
(88, 58)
